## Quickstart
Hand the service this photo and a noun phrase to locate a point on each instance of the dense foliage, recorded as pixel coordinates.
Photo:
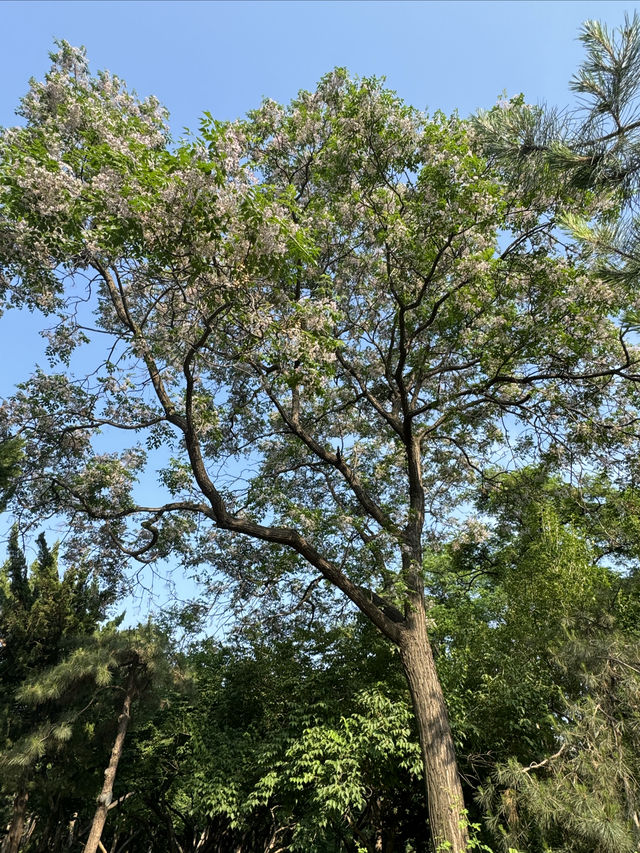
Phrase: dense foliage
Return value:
(301, 738)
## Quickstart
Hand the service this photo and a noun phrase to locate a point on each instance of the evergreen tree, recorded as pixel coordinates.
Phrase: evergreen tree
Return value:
(82, 707)
(41, 617)
(595, 146)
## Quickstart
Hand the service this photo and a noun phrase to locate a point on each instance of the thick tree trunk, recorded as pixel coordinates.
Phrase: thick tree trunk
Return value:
(444, 791)
(106, 795)
(16, 829)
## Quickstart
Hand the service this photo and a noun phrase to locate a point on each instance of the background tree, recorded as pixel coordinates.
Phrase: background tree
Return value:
(295, 732)
(125, 665)
(538, 654)
(595, 147)
(268, 762)
(81, 711)
(319, 314)
(41, 615)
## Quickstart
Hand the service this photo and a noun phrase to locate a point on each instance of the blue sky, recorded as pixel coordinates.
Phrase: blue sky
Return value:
(224, 57)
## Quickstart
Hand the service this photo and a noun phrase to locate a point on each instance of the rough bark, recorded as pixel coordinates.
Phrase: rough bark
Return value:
(93, 842)
(444, 791)
(16, 829)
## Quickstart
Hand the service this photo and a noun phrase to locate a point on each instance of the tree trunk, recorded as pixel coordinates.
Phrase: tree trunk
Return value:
(16, 829)
(444, 791)
(72, 831)
(104, 800)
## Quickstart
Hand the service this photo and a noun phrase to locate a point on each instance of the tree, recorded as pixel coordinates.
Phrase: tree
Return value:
(138, 661)
(317, 313)
(595, 146)
(583, 796)
(266, 762)
(537, 650)
(41, 614)
(133, 655)
(572, 782)
(81, 708)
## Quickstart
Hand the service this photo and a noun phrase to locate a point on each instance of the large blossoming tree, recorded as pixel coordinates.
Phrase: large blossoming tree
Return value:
(320, 325)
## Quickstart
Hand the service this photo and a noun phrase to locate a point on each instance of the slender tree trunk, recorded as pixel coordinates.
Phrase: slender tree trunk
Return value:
(29, 831)
(95, 834)
(16, 828)
(72, 831)
(444, 791)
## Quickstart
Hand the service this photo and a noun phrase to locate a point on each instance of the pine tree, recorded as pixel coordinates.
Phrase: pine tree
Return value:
(41, 616)
(85, 697)
(584, 795)
(542, 656)
(16, 569)
(595, 146)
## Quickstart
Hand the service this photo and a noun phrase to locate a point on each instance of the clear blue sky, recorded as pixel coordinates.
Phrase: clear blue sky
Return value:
(225, 56)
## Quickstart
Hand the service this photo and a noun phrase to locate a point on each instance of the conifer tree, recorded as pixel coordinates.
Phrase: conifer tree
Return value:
(594, 146)
(541, 652)
(41, 616)
(97, 683)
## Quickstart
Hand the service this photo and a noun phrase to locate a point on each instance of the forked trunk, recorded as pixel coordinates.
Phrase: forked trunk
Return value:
(16, 829)
(444, 791)
(106, 795)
